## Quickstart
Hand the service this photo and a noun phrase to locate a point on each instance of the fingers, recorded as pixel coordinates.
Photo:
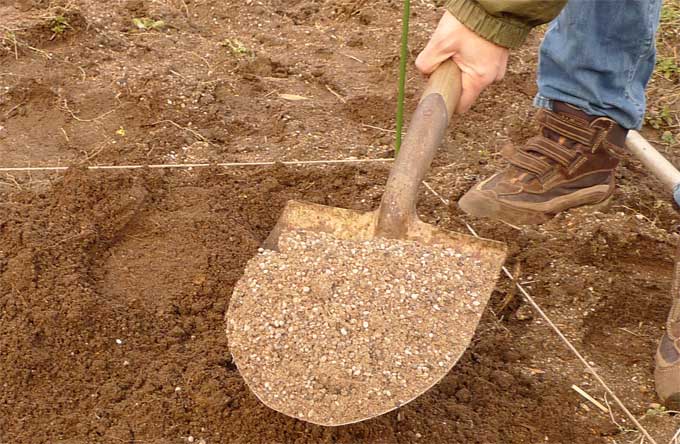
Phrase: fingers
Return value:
(472, 83)
(481, 61)
(475, 81)
(472, 88)
(502, 69)
(431, 57)
(440, 47)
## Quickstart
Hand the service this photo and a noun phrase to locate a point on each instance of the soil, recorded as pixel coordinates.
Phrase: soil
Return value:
(114, 284)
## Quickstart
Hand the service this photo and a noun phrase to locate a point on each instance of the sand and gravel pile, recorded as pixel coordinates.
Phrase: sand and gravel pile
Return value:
(336, 331)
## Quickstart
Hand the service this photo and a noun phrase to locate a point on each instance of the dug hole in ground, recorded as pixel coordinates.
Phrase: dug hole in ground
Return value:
(114, 284)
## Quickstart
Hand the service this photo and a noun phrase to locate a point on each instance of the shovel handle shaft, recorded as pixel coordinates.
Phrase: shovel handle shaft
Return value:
(653, 160)
(427, 128)
(446, 81)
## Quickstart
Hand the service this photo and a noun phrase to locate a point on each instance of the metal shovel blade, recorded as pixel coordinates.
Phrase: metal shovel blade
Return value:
(253, 359)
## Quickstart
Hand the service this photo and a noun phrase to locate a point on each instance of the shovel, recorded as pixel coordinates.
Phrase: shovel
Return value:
(396, 218)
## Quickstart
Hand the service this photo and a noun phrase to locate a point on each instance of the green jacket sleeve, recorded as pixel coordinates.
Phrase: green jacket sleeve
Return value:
(504, 22)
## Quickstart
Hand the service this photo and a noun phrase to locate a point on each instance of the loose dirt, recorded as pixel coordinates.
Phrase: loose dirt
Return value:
(114, 285)
(335, 331)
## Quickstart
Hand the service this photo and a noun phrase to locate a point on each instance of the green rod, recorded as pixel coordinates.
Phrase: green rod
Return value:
(402, 72)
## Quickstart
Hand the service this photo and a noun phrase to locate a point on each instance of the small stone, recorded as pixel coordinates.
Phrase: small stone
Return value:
(524, 313)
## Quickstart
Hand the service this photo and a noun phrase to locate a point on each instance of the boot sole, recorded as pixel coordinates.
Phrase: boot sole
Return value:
(480, 204)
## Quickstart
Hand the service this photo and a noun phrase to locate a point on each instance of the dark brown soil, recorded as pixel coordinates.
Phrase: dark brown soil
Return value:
(114, 291)
(114, 285)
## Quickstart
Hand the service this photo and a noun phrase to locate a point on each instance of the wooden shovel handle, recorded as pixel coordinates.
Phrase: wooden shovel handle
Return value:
(427, 128)
(446, 81)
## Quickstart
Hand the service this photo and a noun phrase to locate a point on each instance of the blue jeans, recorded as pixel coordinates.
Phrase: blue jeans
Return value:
(599, 55)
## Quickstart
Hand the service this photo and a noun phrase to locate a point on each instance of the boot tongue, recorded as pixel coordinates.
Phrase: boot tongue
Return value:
(556, 137)
(617, 134)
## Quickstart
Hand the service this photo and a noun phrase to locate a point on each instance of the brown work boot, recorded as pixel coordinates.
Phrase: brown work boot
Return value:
(571, 163)
(667, 371)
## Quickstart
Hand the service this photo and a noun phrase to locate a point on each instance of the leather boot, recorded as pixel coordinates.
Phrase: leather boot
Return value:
(569, 164)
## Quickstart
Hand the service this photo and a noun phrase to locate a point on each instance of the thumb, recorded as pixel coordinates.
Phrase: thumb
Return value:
(431, 57)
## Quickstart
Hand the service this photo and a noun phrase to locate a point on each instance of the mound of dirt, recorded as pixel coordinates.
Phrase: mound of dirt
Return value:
(113, 293)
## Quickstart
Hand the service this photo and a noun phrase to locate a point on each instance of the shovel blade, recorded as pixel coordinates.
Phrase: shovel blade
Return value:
(480, 275)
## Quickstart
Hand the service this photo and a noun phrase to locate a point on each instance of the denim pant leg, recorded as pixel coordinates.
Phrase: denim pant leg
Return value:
(599, 55)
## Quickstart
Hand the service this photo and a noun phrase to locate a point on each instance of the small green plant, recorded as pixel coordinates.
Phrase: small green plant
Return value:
(8, 41)
(660, 118)
(148, 24)
(59, 24)
(236, 47)
(668, 67)
(669, 138)
(670, 13)
(10, 36)
(656, 410)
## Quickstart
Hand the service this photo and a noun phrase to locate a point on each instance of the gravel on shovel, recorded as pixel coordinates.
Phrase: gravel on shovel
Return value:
(337, 331)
